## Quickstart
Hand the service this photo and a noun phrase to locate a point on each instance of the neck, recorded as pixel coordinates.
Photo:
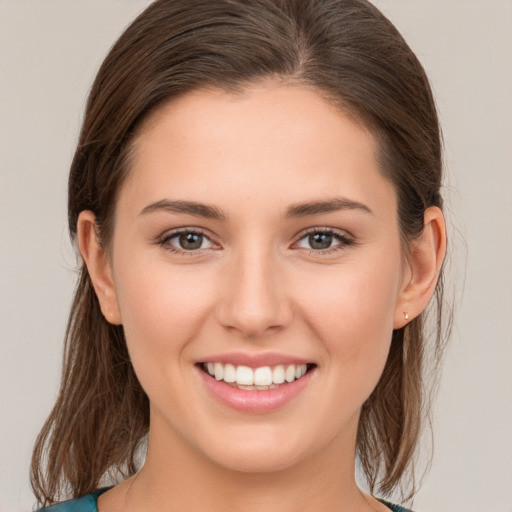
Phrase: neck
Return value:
(177, 477)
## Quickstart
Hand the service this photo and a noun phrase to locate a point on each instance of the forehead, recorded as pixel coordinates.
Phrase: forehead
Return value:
(278, 142)
(283, 110)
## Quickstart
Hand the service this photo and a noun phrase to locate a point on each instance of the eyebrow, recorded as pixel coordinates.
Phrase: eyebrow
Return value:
(294, 211)
(326, 206)
(190, 207)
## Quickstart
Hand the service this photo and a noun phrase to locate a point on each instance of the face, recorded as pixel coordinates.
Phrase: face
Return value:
(256, 230)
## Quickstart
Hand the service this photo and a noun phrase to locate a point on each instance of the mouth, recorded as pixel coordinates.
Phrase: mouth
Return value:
(263, 378)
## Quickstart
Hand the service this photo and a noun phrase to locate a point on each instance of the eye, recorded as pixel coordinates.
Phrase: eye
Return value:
(186, 240)
(324, 241)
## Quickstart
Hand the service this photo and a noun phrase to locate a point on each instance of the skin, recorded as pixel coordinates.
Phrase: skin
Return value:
(256, 285)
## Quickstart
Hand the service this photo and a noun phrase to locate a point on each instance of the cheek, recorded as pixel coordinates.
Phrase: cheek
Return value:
(357, 336)
(352, 310)
(161, 308)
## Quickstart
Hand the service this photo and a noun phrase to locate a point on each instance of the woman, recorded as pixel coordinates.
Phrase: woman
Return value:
(256, 200)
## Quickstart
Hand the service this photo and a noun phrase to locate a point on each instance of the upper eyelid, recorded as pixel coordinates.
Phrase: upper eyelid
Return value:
(178, 231)
(340, 234)
(322, 229)
(168, 235)
(336, 232)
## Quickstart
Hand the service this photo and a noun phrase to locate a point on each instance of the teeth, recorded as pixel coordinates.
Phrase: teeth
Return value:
(300, 371)
(289, 374)
(262, 378)
(229, 373)
(218, 371)
(244, 375)
(278, 374)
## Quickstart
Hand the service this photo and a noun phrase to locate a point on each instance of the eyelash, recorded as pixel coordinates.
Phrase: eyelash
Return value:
(342, 239)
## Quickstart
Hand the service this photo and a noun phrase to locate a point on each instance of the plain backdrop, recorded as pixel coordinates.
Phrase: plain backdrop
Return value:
(49, 53)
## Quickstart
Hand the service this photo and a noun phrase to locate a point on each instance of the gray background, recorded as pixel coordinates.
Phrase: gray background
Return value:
(49, 53)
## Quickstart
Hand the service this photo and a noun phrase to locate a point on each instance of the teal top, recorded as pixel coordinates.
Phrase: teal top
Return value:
(89, 503)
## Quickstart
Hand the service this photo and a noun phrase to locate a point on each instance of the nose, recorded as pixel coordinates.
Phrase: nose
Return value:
(253, 296)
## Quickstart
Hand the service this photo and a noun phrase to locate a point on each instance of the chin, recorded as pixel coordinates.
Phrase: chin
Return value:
(256, 463)
(256, 453)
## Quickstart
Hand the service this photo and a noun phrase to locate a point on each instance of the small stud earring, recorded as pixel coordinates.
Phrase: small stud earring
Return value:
(406, 316)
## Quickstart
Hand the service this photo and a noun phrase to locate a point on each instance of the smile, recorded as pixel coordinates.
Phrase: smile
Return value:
(261, 379)
(259, 390)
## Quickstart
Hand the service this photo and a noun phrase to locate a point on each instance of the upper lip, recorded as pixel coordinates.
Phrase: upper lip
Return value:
(254, 360)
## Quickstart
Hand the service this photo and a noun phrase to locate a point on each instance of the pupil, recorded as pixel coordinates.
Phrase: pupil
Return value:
(320, 240)
(191, 240)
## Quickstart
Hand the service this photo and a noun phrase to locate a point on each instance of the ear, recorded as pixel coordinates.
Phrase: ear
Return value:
(98, 266)
(422, 267)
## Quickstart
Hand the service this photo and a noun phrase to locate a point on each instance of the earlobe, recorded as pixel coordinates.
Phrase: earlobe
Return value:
(424, 262)
(98, 265)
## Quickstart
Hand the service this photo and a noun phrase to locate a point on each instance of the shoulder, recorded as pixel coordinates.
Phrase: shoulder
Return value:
(394, 508)
(87, 503)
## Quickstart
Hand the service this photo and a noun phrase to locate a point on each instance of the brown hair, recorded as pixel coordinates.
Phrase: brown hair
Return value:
(352, 55)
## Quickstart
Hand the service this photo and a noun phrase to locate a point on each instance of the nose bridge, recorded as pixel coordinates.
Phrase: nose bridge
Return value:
(254, 300)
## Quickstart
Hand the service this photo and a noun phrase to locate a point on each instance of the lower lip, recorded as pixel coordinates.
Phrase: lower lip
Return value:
(255, 401)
